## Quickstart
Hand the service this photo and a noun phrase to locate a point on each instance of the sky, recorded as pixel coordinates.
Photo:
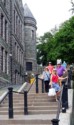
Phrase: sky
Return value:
(49, 13)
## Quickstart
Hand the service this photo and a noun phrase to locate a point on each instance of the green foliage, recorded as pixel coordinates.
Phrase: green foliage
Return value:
(59, 45)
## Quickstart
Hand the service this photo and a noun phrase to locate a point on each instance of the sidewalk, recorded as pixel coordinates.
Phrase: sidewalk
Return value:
(65, 117)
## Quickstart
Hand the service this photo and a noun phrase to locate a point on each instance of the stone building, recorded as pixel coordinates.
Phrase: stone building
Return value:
(17, 41)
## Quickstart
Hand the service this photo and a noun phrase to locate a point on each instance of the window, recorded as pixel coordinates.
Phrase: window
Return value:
(32, 34)
(2, 25)
(2, 58)
(17, 52)
(14, 21)
(5, 3)
(29, 66)
(15, 49)
(16, 24)
(5, 30)
(5, 62)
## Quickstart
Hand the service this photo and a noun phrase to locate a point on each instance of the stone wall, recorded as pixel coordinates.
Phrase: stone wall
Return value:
(20, 47)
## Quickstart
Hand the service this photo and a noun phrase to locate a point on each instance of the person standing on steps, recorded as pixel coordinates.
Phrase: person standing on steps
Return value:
(50, 67)
(54, 82)
(46, 78)
(60, 69)
(64, 64)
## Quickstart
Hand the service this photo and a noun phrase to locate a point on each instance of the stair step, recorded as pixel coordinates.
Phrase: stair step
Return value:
(27, 120)
(28, 124)
(33, 104)
(41, 109)
(31, 108)
(18, 112)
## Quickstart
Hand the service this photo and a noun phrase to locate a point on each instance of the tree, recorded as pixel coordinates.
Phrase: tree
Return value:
(59, 45)
(42, 48)
(72, 9)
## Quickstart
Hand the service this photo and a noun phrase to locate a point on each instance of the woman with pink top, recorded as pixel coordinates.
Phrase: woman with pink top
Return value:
(50, 67)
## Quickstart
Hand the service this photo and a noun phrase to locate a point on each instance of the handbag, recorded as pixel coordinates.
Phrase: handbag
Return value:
(51, 92)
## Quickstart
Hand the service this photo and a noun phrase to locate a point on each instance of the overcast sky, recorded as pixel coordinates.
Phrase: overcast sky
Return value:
(49, 13)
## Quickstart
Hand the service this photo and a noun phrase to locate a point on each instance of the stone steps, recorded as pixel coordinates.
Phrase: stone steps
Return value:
(27, 120)
(32, 104)
(30, 112)
(31, 108)
(41, 109)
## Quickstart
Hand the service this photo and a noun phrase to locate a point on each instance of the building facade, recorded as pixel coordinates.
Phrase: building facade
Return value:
(17, 41)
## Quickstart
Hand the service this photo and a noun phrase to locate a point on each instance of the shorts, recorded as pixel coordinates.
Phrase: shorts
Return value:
(56, 87)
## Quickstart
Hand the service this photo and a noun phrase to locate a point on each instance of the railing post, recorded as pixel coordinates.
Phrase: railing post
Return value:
(55, 122)
(69, 77)
(64, 97)
(42, 86)
(25, 103)
(36, 83)
(10, 94)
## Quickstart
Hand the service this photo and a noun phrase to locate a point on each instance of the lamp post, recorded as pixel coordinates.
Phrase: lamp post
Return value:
(10, 55)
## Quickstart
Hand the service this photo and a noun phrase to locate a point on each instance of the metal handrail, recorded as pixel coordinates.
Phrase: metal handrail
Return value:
(31, 85)
(60, 100)
(20, 92)
(4, 95)
(59, 103)
(22, 87)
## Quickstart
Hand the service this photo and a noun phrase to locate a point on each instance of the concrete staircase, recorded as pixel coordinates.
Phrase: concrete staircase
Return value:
(41, 109)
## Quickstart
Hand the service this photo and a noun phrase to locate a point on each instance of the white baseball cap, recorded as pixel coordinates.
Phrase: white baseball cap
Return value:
(58, 61)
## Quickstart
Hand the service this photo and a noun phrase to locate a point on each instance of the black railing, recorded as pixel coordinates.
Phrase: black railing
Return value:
(42, 81)
(10, 93)
(62, 103)
(25, 97)
(69, 78)
(59, 103)
(37, 89)
(25, 103)
(56, 120)
(65, 97)
(25, 100)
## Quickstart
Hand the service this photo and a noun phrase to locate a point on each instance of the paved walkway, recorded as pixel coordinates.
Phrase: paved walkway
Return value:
(65, 117)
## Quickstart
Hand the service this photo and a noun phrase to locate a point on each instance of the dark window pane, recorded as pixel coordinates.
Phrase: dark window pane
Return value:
(2, 58)
(1, 25)
(29, 66)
